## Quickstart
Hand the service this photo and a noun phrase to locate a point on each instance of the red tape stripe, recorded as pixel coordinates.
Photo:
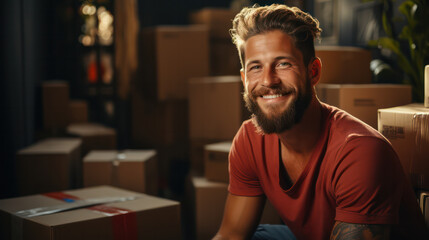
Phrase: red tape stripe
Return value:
(124, 221)
(61, 196)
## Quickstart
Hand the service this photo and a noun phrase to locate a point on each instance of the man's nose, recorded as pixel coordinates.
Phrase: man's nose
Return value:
(269, 77)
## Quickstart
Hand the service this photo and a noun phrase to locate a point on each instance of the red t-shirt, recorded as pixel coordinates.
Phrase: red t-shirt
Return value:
(353, 176)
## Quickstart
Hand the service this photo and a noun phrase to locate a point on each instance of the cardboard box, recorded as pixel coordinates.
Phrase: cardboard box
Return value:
(135, 170)
(124, 215)
(208, 199)
(218, 21)
(156, 124)
(94, 136)
(55, 98)
(52, 164)
(78, 111)
(363, 100)
(344, 64)
(196, 154)
(216, 107)
(426, 86)
(216, 161)
(424, 206)
(169, 56)
(224, 59)
(407, 128)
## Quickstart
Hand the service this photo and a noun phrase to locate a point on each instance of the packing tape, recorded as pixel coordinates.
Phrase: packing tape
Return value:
(61, 196)
(124, 221)
(420, 125)
(69, 205)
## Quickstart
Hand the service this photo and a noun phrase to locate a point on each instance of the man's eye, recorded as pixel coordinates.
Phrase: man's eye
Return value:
(255, 67)
(283, 64)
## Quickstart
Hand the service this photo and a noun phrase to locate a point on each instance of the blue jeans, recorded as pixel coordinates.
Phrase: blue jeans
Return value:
(273, 232)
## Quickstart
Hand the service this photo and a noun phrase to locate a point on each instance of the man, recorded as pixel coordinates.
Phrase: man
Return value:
(328, 174)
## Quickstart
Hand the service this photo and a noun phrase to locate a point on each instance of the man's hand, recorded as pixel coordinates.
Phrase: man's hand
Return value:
(352, 231)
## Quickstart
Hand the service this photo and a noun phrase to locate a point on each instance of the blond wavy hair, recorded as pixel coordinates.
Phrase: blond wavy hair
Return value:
(299, 25)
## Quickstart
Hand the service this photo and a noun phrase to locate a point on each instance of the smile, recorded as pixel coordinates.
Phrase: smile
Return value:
(271, 96)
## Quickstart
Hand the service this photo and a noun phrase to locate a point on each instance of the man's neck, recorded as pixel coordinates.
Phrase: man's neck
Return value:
(302, 137)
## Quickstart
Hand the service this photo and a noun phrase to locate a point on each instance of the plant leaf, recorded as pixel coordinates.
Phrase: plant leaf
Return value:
(386, 25)
(390, 43)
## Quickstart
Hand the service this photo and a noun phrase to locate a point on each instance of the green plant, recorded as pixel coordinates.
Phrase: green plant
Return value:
(411, 46)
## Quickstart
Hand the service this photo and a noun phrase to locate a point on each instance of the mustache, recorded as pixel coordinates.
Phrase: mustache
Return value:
(283, 90)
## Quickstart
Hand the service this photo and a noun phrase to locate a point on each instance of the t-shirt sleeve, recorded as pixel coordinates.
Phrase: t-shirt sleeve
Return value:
(367, 183)
(243, 179)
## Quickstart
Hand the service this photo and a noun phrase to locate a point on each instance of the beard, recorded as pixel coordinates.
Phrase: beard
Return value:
(278, 122)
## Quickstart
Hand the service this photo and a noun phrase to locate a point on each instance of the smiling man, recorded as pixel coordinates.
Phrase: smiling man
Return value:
(328, 174)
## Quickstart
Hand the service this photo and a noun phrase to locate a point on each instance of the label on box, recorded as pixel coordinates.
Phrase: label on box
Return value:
(393, 132)
(364, 102)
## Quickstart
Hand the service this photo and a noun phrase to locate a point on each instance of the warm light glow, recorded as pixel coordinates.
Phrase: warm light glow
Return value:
(88, 9)
(86, 40)
(105, 26)
(110, 108)
(101, 10)
(90, 30)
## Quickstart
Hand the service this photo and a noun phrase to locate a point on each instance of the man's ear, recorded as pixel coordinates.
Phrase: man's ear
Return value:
(315, 70)
(243, 76)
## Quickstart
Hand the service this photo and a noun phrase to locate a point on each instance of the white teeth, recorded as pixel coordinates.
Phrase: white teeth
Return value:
(271, 96)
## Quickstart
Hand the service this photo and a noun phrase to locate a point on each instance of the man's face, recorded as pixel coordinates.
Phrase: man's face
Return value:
(277, 86)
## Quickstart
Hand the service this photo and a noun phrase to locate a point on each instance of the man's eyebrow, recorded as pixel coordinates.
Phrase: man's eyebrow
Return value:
(285, 57)
(251, 62)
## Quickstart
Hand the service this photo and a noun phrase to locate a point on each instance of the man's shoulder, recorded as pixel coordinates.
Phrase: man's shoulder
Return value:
(348, 132)
(342, 123)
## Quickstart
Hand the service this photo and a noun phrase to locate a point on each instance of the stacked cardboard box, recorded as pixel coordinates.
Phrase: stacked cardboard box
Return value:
(216, 111)
(170, 55)
(208, 201)
(78, 111)
(344, 64)
(90, 213)
(94, 136)
(407, 128)
(363, 100)
(157, 124)
(134, 170)
(426, 84)
(55, 97)
(59, 110)
(424, 205)
(216, 161)
(52, 164)
(162, 126)
(207, 195)
(224, 58)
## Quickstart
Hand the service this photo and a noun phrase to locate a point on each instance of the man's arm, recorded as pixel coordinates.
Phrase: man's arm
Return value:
(352, 231)
(241, 217)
